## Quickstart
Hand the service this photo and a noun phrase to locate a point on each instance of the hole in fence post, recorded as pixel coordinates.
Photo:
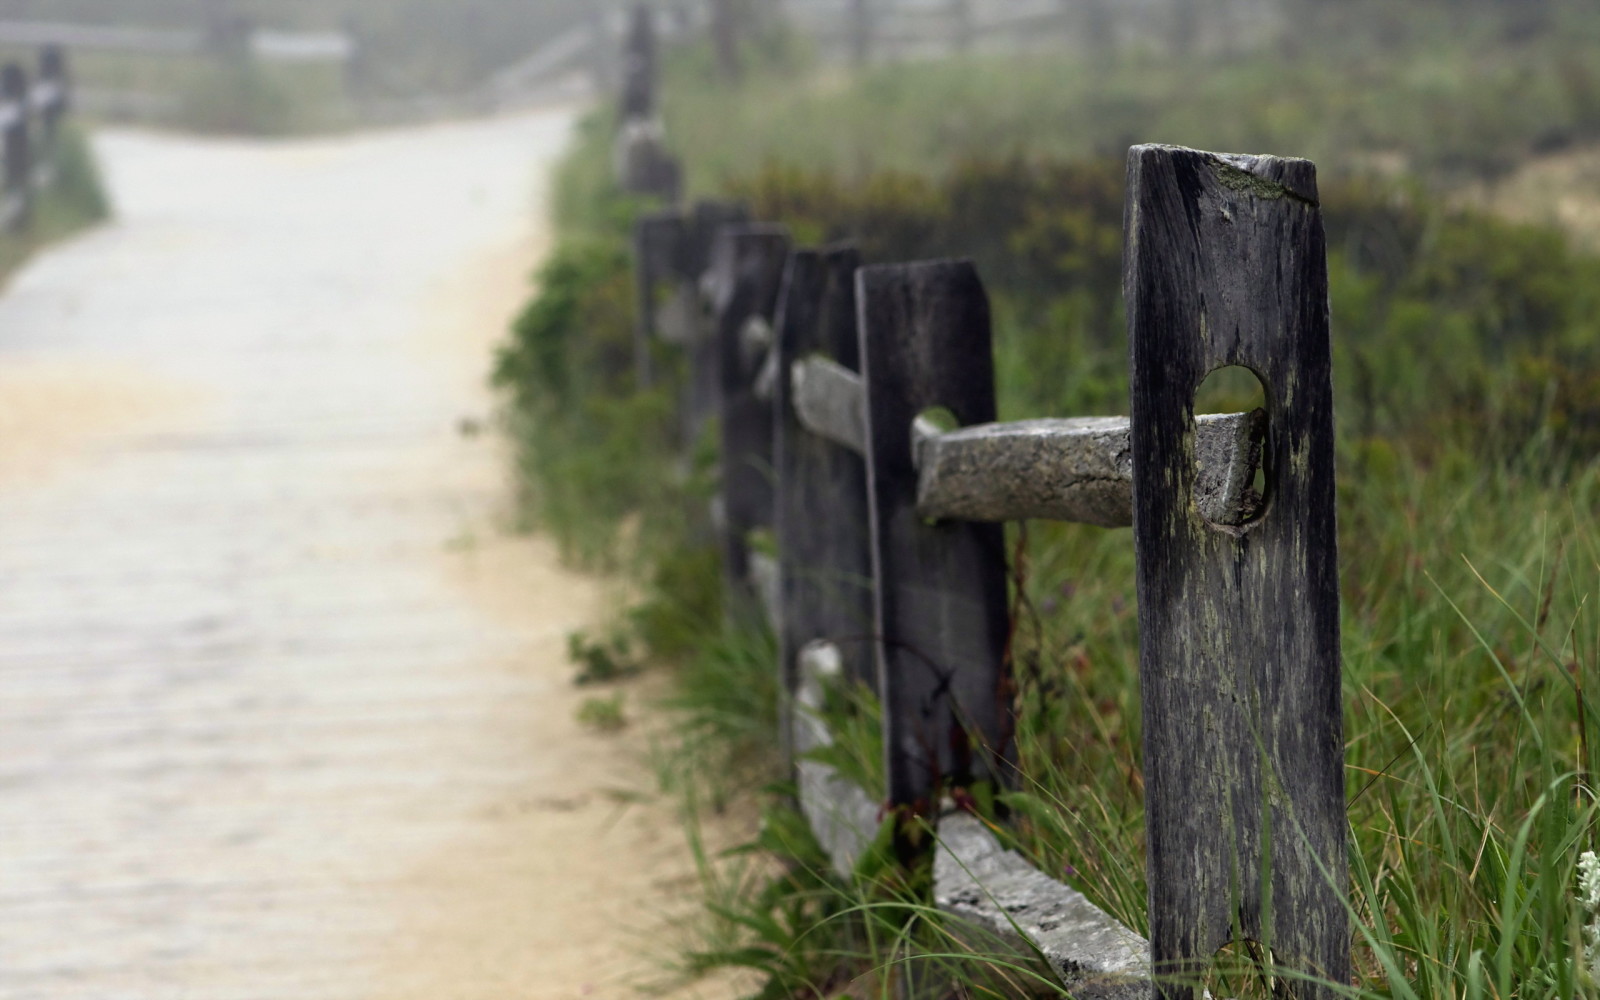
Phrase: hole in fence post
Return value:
(930, 423)
(1232, 481)
(936, 420)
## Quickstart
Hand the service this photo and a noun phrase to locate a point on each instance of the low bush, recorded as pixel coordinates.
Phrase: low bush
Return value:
(75, 201)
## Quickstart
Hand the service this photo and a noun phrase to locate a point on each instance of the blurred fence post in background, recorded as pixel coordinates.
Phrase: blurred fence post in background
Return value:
(642, 163)
(749, 265)
(31, 120)
(1238, 621)
(639, 65)
(50, 105)
(17, 207)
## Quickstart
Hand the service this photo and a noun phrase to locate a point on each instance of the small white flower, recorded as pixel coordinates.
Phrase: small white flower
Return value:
(1589, 899)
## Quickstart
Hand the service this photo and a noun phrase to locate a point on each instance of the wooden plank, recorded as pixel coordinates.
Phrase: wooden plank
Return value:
(823, 527)
(1239, 625)
(749, 272)
(1014, 903)
(1076, 470)
(841, 814)
(830, 401)
(940, 589)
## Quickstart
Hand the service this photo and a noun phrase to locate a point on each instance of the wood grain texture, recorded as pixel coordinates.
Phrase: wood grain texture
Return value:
(825, 575)
(940, 589)
(752, 260)
(1078, 469)
(1239, 626)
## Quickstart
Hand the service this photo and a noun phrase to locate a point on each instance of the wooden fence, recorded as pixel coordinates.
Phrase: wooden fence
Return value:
(31, 118)
(891, 567)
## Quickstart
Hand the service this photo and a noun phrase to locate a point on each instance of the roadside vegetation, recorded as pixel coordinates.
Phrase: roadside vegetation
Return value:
(1468, 386)
(73, 203)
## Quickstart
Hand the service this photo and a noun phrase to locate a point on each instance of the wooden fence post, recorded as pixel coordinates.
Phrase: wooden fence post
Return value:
(824, 536)
(643, 163)
(639, 64)
(693, 274)
(1239, 626)
(750, 265)
(58, 100)
(18, 151)
(940, 589)
(658, 245)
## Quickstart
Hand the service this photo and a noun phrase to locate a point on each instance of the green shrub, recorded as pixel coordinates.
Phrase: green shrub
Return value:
(75, 201)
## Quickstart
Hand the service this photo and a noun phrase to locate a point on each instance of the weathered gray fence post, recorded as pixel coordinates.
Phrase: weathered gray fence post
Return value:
(1239, 625)
(690, 323)
(643, 163)
(750, 266)
(673, 248)
(659, 244)
(54, 101)
(940, 589)
(824, 535)
(18, 151)
(639, 65)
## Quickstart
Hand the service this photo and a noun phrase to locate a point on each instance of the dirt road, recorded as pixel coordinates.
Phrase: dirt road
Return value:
(283, 711)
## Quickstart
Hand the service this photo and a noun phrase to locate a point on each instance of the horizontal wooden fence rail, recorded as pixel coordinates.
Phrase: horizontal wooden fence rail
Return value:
(31, 119)
(825, 376)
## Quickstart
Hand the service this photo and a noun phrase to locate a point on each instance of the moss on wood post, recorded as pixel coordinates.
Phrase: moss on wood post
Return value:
(1239, 624)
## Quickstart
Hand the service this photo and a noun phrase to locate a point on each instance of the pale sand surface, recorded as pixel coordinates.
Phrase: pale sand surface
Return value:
(284, 712)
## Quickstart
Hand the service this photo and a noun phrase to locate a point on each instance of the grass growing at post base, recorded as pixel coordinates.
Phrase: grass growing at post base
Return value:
(73, 203)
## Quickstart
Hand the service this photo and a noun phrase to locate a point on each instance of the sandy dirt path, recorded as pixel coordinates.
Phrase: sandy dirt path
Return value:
(283, 710)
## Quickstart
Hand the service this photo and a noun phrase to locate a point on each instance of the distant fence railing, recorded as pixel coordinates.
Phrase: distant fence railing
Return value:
(891, 567)
(31, 118)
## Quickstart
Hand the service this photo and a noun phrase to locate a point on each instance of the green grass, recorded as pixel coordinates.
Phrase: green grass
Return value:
(73, 203)
(1424, 85)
